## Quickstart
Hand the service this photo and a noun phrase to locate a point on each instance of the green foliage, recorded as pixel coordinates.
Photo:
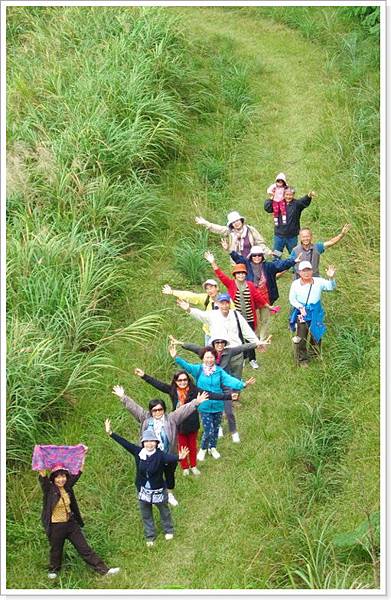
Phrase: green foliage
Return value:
(366, 535)
(189, 257)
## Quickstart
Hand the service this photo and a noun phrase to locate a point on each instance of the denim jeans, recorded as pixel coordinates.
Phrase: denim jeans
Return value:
(279, 243)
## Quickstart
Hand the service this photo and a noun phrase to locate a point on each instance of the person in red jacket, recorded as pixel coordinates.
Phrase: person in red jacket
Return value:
(245, 295)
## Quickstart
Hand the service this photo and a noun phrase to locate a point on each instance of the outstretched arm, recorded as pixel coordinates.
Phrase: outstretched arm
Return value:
(213, 227)
(338, 237)
(137, 411)
(156, 383)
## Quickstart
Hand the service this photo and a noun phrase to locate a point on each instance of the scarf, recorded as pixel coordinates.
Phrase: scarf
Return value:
(242, 241)
(208, 370)
(144, 453)
(182, 394)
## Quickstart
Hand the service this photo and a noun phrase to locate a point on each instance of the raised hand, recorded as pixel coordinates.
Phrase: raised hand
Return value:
(174, 341)
(200, 221)
(201, 397)
(139, 372)
(330, 271)
(183, 452)
(209, 257)
(119, 391)
(166, 289)
(172, 350)
(250, 381)
(345, 228)
(108, 427)
(224, 243)
(183, 304)
(312, 194)
(298, 259)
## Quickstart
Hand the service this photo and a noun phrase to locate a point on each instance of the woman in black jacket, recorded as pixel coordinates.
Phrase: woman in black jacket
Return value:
(150, 482)
(62, 520)
(182, 390)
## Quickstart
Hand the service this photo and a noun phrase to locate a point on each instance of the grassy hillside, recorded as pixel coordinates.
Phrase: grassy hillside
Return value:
(100, 217)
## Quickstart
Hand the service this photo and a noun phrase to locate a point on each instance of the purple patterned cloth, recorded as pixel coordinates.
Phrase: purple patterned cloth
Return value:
(67, 457)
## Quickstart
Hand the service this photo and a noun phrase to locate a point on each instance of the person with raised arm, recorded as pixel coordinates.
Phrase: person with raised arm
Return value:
(151, 485)
(309, 250)
(211, 378)
(164, 425)
(307, 317)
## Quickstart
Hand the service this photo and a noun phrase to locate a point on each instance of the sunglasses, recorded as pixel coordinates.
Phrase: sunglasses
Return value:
(157, 410)
(219, 342)
(183, 379)
(257, 255)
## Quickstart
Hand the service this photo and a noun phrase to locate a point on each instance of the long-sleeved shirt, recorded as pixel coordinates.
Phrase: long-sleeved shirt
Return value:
(227, 325)
(226, 354)
(198, 300)
(300, 295)
(236, 240)
(211, 383)
(293, 214)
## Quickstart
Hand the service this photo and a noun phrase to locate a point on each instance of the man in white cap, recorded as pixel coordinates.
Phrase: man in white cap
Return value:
(206, 300)
(241, 236)
(307, 311)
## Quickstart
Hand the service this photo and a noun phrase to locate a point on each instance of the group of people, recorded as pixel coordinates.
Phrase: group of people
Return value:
(236, 326)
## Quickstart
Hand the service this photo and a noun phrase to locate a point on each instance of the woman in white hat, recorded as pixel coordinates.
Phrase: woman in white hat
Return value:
(150, 483)
(241, 236)
(307, 311)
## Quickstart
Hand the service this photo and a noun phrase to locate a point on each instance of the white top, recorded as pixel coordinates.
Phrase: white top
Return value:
(298, 293)
(227, 325)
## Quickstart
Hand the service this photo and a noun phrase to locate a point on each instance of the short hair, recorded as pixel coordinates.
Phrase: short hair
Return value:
(305, 229)
(208, 349)
(155, 402)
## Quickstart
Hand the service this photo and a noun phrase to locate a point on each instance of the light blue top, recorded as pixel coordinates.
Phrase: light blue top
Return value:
(298, 294)
(211, 383)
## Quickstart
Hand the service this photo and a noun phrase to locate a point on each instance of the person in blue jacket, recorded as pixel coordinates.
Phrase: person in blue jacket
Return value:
(211, 378)
(263, 273)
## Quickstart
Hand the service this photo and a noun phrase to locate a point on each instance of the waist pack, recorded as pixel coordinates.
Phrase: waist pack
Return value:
(158, 496)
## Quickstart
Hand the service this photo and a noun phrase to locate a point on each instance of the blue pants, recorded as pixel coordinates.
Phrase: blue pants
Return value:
(279, 243)
(210, 423)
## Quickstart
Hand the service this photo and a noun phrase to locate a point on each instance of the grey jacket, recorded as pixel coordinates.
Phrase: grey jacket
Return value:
(172, 419)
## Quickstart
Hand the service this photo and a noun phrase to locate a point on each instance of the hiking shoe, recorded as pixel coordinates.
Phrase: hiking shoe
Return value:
(186, 472)
(214, 453)
(150, 543)
(52, 575)
(201, 454)
(236, 438)
(113, 571)
(169, 536)
(221, 433)
(195, 471)
(254, 364)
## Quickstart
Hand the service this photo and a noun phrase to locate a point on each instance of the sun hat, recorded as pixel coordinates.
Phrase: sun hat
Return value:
(223, 297)
(210, 282)
(281, 176)
(257, 250)
(149, 436)
(216, 337)
(304, 264)
(234, 216)
(239, 268)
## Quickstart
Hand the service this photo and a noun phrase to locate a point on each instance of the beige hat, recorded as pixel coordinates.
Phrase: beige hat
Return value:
(234, 216)
(258, 250)
(209, 282)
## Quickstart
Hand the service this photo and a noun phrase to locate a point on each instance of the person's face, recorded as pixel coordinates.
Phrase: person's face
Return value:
(209, 359)
(182, 381)
(150, 445)
(280, 183)
(60, 480)
(211, 290)
(288, 197)
(237, 224)
(240, 277)
(219, 345)
(157, 412)
(257, 258)
(305, 237)
(306, 274)
(224, 307)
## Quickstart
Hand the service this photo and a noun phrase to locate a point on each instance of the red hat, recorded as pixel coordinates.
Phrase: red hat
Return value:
(239, 268)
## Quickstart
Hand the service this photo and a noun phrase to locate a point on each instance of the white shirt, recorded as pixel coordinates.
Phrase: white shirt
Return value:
(228, 325)
(298, 294)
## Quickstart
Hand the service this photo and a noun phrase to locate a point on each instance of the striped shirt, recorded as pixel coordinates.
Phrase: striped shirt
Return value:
(242, 303)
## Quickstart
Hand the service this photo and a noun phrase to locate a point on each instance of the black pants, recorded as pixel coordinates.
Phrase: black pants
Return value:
(59, 532)
(306, 349)
(169, 475)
